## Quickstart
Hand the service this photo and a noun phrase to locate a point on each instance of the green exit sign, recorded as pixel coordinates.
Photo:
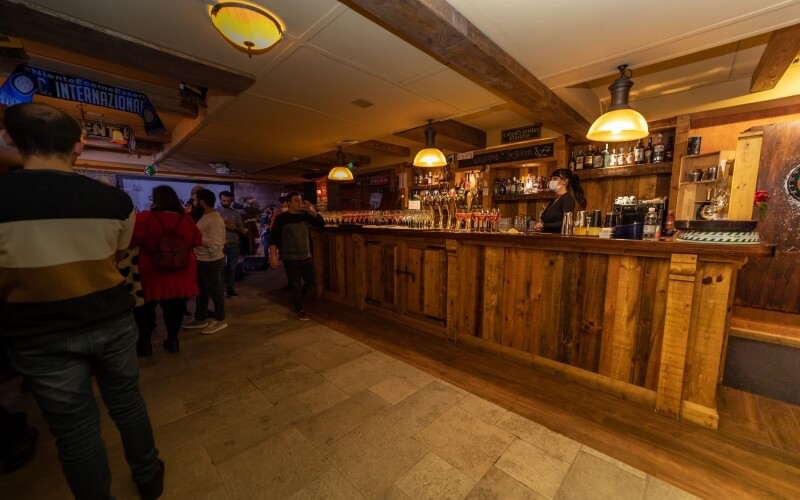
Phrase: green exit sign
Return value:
(521, 134)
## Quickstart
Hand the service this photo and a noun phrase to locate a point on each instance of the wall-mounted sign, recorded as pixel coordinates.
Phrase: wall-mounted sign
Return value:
(28, 80)
(521, 134)
(533, 152)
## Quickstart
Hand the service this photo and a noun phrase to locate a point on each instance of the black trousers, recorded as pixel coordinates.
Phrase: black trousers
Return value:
(301, 276)
(145, 317)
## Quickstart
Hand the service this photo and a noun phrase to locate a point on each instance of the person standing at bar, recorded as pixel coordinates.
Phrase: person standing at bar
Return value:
(65, 308)
(290, 236)
(567, 187)
(234, 228)
(210, 267)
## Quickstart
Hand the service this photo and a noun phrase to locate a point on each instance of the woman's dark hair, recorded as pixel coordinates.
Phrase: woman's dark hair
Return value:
(165, 199)
(574, 185)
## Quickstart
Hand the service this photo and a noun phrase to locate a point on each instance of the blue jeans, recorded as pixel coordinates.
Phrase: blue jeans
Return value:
(301, 276)
(231, 258)
(210, 279)
(59, 376)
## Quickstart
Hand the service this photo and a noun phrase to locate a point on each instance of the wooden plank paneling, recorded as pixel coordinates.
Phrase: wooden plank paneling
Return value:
(434, 281)
(659, 312)
(552, 273)
(523, 311)
(591, 326)
(413, 282)
(609, 315)
(680, 292)
(493, 283)
(618, 360)
(569, 312)
(712, 287)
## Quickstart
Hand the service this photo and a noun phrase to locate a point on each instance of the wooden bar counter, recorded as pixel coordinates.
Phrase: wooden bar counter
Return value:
(646, 321)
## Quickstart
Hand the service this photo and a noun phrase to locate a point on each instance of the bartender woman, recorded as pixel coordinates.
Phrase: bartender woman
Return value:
(567, 187)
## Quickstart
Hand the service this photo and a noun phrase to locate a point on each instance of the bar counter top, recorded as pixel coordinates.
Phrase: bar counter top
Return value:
(580, 243)
(644, 320)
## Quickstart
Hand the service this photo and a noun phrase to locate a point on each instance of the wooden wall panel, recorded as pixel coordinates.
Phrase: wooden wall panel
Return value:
(617, 360)
(493, 284)
(413, 282)
(434, 281)
(552, 272)
(591, 299)
(569, 312)
(709, 323)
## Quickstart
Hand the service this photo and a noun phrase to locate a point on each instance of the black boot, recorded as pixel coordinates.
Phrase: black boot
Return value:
(144, 349)
(172, 345)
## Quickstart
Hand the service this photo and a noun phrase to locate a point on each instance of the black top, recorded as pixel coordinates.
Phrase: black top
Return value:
(554, 213)
(290, 234)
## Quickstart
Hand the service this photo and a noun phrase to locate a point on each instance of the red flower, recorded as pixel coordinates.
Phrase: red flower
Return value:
(761, 202)
(762, 196)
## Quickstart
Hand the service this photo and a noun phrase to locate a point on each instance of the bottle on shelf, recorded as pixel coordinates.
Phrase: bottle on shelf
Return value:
(648, 151)
(638, 153)
(496, 189)
(599, 158)
(669, 151)
(658, 150)
(620, 156)
(579, 160)
(501, 189)
(521, 186)
(650, 224)
(607, 154)
(630, 157)
(612, 158)
(588, 159)
(571, 164)
(669, 224)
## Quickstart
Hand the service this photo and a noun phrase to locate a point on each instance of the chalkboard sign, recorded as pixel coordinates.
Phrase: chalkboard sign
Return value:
(521, 134)
(534, 152)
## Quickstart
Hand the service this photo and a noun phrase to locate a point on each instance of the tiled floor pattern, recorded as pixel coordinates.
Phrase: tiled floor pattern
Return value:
(277, 408)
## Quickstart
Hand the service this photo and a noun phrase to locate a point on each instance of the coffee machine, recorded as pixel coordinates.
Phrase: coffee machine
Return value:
(632, 212)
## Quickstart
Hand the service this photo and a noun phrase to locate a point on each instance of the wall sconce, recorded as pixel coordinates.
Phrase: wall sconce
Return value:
(430, 156)
(620, 122)
(249, 28)
(340, 172)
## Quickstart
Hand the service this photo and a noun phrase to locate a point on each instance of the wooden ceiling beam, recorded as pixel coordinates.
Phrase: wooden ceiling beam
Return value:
(782, 49)
(450, 135)
(440, 31)
(27, 22)
(385, 148)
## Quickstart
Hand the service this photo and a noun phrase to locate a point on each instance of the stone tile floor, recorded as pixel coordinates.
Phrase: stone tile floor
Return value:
(277, 408)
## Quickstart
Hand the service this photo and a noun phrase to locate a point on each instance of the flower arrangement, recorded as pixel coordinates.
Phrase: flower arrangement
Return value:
(761, 201)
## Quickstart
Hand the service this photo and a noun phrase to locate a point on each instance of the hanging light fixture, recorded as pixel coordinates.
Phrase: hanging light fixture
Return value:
(430, 156)
(340, 172)
(247, 27)
(620, 122)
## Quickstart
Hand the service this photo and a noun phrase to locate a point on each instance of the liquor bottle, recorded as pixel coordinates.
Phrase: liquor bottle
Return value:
(571, 165)
(669, 152)
(638, 153)
(612, 158)
(658, 150)
(511, 186)
(606, 157)
(620, 157)
(579, 160)
(496, 189)
(597, 159)
(588, 160)
(629, 158)
(521, 186)
(648, 151)
(502, 188)
(650, 223)
(669, 224)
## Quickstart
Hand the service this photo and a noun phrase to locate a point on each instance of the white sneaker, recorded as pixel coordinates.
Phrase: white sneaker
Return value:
(195, 323)
(214, 326)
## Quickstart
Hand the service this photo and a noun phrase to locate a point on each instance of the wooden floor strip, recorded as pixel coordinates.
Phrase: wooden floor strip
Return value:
(780, 423)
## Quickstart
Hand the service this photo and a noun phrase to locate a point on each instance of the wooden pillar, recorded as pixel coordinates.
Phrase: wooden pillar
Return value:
(680, 292)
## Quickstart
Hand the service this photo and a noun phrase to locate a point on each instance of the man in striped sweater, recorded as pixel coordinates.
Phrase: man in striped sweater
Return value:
(64, 307)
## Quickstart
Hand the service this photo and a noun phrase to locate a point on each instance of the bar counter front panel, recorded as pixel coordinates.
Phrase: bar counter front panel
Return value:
(646, 321)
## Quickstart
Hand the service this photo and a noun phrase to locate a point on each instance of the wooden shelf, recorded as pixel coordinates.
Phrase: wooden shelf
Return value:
(520, 197)
(626, 171)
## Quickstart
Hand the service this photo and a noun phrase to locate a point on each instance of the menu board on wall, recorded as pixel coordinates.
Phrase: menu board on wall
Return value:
(532, 152)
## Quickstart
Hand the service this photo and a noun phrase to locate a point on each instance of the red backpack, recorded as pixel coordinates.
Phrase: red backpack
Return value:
(171, 252)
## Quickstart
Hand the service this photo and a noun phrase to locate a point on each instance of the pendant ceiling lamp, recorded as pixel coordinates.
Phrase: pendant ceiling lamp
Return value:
(247, 27)
(430, 156)
(621, 122)
(340, 172)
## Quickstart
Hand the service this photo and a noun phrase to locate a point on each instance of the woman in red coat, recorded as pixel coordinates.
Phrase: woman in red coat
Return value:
(168, 280)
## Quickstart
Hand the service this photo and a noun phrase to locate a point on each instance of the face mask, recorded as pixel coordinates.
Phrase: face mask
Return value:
(553, 185)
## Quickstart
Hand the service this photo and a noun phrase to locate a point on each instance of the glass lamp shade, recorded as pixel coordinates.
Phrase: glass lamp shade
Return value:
(430, 158)
(246, 27)
(340, 174)
(618, 125)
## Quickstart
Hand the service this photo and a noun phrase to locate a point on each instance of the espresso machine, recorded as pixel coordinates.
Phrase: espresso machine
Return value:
(632, 211)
